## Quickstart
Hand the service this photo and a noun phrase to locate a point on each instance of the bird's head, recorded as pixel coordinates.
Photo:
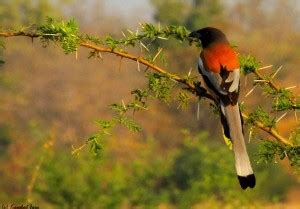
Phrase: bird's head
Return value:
(209, 36)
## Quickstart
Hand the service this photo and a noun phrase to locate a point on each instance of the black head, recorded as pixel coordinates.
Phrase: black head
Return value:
(208, 36)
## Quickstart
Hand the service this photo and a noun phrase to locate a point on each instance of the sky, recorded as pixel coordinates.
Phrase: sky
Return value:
(126, 8)
(132, 12)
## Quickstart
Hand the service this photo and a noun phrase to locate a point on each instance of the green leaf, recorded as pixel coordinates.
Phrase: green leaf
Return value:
(178, 32)
(183, 99)
(66, 33)
(282, 100)
(140, 95)
(248, 64)
(261, 116)
(95, 145)
(269, 151)
(129, 123)
(295, 136)
(118, 108)
(105, 124)
(160, 86)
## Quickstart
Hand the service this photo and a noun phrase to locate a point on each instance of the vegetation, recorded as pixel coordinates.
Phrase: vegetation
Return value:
(150, 172)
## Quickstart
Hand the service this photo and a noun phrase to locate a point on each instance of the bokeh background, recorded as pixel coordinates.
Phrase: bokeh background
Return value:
(49, 102)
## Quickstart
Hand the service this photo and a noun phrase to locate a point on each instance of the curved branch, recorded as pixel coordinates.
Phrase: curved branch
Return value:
(270, 131)
(294, 105)
(20, 33)
(137, 59)
(192, 87)
(270, 82)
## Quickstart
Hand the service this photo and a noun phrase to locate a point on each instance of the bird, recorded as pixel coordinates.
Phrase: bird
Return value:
(219, 67)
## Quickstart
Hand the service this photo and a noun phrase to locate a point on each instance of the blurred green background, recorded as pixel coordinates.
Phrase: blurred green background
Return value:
(49, 101)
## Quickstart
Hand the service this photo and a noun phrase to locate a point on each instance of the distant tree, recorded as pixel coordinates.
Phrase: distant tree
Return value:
(162, 83)
(168, 87)
(193, 14)
(24, 12)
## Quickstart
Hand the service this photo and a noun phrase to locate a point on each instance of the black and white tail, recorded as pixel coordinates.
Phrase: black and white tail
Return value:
(242, 163)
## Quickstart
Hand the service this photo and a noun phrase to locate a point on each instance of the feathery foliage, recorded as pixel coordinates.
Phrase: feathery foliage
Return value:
(161, 83)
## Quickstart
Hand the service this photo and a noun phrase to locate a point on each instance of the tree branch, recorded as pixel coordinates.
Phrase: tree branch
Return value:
(20, 33)
(193, 87)
(270, 131)
(292, 100)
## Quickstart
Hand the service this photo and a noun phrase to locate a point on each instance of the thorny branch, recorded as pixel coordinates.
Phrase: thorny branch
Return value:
(274, 86)
(193, 87)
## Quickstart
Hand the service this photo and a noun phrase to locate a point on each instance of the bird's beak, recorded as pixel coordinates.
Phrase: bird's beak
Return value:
(195, 34)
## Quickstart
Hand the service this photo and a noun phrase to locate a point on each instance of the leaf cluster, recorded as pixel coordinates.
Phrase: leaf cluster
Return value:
(248, 64)
(181, 178)
(282, 99)
(64, 33)
(148, 33)
(160, 85)
(260, 115)
(270, 151)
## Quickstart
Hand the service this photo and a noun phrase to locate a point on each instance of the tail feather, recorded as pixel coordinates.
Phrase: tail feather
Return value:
(242, 162)
(247, 181)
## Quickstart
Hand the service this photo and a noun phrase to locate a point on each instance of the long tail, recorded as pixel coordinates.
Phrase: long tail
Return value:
(233, 127)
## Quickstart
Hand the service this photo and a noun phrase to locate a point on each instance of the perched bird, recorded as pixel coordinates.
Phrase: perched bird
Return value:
(219, 66)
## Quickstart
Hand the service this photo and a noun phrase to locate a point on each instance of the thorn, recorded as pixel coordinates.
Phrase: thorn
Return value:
(123, 34)
(291, 87)
(276, 72)
(124, 106)
(76, 53)
(141, 48)
(250, 92)
(250, 134)
(296, 117)
(143, 45)
(265, 67)
(259, 80)
(163, 38)
(137, 32)
(173, 80)
(276, 104)
(198, 110)
(129, 31)
(281, 117)
(189, 74)
(159, 26)
(159, 51)
(138, 65)
(100, 55)
(146, 69)
(51, 34)
(120, 63)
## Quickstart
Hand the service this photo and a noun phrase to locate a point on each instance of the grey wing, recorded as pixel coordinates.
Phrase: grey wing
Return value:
(225, 83)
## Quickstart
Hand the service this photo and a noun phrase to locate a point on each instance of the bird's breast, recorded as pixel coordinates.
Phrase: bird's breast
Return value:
(219, 56)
